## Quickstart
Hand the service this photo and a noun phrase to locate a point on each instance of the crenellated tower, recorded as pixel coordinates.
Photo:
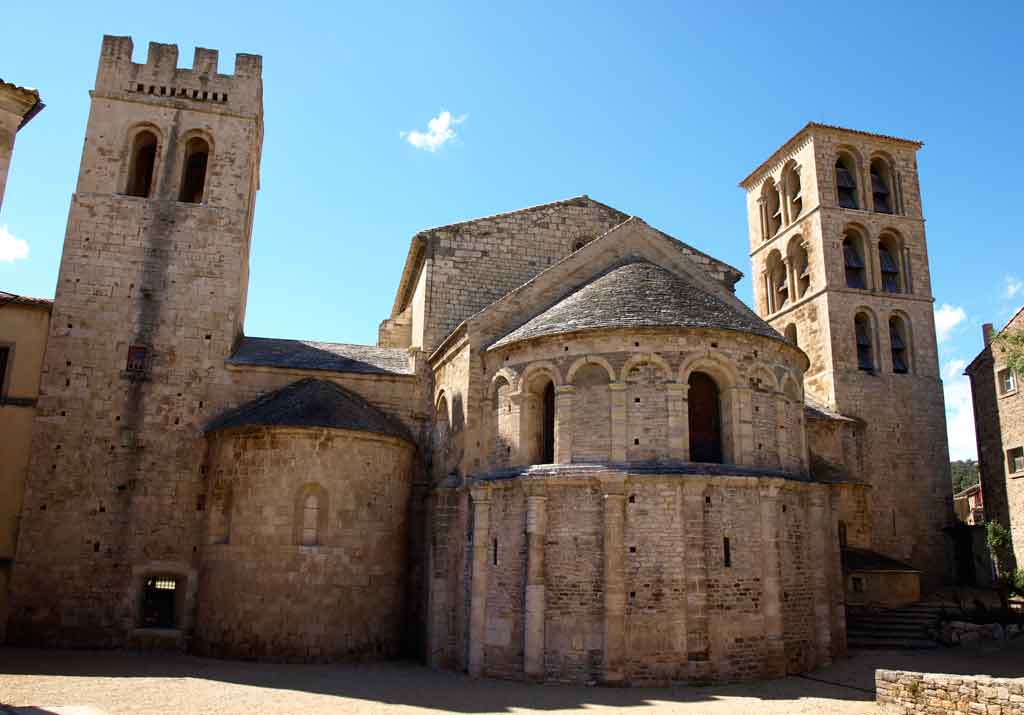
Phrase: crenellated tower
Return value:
(840, 267)
(149, 302)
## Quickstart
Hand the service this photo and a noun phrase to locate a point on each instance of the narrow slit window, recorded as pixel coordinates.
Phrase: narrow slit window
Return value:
(310, 521)
(726, 552)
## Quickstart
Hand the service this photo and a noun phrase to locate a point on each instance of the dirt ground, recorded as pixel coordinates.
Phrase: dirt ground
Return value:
(112, 683)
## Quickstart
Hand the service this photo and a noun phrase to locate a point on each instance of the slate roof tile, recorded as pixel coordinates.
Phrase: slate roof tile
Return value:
(311, 403)
(639, 294)
(309, 355)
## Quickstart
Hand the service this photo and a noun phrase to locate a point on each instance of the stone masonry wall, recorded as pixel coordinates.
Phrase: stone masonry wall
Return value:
(911, 692)
(265, 593)
(660, 599)
(999, 421)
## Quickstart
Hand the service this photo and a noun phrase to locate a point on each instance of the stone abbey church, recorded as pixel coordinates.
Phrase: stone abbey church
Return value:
(574, 454)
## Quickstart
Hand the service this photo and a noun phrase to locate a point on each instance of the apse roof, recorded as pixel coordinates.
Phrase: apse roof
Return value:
(639, 294)
(309, 355)
(311, 403)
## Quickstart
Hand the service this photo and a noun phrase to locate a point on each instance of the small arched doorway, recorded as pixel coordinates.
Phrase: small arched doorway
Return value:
(705, 419)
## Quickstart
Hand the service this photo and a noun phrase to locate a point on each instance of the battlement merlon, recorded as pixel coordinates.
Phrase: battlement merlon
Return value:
(160, 78)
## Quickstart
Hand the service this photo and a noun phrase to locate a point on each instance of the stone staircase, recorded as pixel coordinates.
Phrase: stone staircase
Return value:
(907, 628)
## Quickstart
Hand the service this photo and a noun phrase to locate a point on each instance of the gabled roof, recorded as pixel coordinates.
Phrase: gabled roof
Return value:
(311, 403)
(309, 355)
(418, 245)
(14, 299)
(787, 145)
(639, 294)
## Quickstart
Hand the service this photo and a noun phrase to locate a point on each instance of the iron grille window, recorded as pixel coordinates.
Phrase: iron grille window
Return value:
(137, 355)
(159, 594)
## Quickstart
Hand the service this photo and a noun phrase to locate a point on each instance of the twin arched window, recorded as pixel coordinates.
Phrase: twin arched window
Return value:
(142, 162)
(899, 343)
(883, 184)
(781, 204)
(891, 273)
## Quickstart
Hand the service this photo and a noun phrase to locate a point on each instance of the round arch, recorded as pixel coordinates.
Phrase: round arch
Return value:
(589, 360)
(652, 358)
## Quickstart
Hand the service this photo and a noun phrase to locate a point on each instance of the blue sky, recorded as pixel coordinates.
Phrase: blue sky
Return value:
(655, 108)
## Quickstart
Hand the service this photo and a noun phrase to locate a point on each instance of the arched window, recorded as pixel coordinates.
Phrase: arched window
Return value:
(791, 334)
(439, 451)
(888, 262)
(853, 262)
(791, 185)
(865, 345)
(143, 162)
(881, 180)
(842, 534)
(193, 178)
(771, 208)
(705, 419)
(846, 182)
(899, 342)
(778, 282)
(311, 520)
(548, 427)
(801, 267)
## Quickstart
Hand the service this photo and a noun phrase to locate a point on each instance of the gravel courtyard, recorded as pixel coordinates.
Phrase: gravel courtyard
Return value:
(112, 683)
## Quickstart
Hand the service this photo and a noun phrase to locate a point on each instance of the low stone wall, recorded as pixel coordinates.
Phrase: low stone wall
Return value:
(938, 693)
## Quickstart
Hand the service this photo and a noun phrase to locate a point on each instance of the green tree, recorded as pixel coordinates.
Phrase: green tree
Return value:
(965, 474)
(1011, 345)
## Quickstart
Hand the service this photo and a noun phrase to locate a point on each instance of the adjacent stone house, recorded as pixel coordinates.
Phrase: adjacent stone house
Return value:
(999, 427)
(574, 455)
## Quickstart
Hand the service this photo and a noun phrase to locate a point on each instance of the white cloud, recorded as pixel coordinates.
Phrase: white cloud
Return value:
(11, 248)
(947, 317)
(959, 411)
(440, 130)
(1013, 287)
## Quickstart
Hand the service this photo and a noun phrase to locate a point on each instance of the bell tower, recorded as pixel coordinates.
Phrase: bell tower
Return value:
(840, 267)
(149, 301)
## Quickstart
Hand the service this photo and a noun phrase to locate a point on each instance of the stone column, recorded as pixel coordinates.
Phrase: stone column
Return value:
(520, 451)
(787, 266)
(784, 219)
(741, 426)
(614, 580)
(819, 547)
(533, 647)
(697, 649)
(769, 297)
(783, 434)
(678, 421)
(478, 587)
(565, 400)
(619, 436)
(775, 645)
